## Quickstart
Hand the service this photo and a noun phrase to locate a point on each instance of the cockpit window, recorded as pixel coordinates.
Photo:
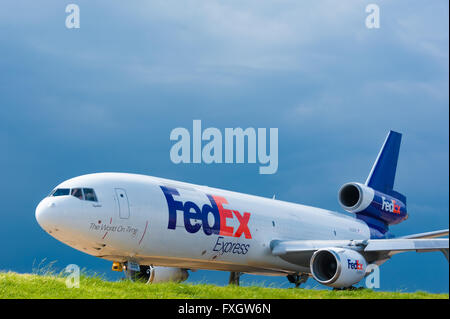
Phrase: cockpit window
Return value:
(80, 193)
(89, 194)
(77, 192)
(60, 192)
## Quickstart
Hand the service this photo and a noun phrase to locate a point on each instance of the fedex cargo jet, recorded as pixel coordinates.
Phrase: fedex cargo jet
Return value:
(157, 229)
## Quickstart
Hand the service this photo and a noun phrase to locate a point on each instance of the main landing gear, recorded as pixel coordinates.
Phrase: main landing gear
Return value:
(297, 279)
(234, 278)
(350, 288)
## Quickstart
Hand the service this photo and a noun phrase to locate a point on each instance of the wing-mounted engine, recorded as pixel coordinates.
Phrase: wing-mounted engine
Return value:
(377, 209)
(151, 274)
(165, 274)
(338, 267)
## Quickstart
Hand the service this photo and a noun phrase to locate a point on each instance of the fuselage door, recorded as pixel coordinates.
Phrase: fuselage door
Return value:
(122, 202)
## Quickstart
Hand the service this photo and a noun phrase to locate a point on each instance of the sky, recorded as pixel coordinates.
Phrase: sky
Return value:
(106, 96)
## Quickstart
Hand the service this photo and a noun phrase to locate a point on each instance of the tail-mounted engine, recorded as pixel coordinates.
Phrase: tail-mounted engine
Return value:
(379, 210)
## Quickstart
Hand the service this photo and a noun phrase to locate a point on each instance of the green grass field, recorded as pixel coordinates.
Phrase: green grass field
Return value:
(14, 285)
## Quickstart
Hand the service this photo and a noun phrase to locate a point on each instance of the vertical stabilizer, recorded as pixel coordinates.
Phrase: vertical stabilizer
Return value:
(376, 202)
(382, 175)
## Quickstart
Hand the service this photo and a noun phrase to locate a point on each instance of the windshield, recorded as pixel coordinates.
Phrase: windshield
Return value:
(60, 192)
(80, 193)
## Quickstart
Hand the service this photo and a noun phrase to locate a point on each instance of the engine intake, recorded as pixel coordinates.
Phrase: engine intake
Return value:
(377, 209)
(154, 274)
(355, 197)
(165, 274)
(337, 267)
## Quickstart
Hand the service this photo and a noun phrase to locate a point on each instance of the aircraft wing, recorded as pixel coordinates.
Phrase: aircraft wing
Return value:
(390, 247)
(374, 250)
(403, 244)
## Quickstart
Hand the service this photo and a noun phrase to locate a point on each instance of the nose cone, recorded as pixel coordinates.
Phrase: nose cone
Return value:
(44, 213)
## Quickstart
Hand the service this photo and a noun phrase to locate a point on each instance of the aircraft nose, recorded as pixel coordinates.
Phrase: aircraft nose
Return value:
(44, 212)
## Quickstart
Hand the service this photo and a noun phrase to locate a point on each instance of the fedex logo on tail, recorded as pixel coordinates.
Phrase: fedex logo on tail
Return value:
(354, 265)
(390, 206)
(196, 217)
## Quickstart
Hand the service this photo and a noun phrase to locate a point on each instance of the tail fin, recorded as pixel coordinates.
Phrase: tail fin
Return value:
(376, 202)
(382, 175)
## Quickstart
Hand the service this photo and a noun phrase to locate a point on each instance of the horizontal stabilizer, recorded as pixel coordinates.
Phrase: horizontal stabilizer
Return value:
(431, 234)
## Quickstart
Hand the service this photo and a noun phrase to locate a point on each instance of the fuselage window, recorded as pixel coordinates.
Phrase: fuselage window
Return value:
(61, 192)
(89, 194)
(77, 192)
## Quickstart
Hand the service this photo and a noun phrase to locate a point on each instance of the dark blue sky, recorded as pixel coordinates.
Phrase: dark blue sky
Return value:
(105, 97)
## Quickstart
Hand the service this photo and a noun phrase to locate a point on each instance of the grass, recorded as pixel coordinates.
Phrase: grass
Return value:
(53, 286)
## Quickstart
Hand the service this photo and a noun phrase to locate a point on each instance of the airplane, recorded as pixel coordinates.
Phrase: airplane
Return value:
(156, 230)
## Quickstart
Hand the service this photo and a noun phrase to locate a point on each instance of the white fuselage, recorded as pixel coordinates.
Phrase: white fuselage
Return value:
(130, 222)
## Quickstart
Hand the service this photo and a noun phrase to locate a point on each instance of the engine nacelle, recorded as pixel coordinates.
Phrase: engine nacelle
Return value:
(165, 274)
(337, 267)
(355, 197)
(360, 199)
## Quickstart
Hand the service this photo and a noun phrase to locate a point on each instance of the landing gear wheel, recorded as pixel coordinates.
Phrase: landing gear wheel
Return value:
(234, 278)
(138, 276)
(298, 279)
(348, 288)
